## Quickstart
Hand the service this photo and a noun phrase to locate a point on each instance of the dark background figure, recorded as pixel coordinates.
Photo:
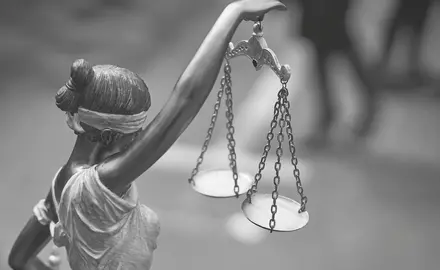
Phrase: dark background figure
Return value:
(324, 26)
(409, 15)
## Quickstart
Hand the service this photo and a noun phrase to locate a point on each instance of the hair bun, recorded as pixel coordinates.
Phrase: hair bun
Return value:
(68, 97)
(81, 74)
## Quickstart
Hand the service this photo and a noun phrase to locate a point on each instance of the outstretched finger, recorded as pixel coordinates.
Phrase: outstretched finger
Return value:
(279, 6)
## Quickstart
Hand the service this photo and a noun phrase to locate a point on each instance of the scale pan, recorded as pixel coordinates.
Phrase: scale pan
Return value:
(287, 218)
(220, 183)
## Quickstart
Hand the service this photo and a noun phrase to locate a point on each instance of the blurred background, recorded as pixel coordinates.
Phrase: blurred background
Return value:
(373, 199)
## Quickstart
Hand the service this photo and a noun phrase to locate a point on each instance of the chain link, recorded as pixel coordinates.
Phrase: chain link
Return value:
(294, 159)
(225, 88)
(266, 149)
(278, 120)
(277, 166)
(210, 129)
(229, 125)
(282, 119)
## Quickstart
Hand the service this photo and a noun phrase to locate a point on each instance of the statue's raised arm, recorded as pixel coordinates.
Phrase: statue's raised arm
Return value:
(188, 96)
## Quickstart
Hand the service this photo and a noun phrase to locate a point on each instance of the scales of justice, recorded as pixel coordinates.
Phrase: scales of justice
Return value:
(269, 211)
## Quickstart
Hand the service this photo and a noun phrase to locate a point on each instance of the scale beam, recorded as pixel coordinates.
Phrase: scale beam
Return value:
(259, 53)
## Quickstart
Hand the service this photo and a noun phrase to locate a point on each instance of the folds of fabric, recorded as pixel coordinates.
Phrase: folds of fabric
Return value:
(103, 230)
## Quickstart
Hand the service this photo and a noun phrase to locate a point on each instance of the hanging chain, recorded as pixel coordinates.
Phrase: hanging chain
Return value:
(292, 148)
(279, 153)
(229, 125)
(262, 164)
(211, 127)
(282, 118)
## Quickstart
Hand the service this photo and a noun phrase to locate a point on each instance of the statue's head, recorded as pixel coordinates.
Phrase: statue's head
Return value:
(105, 102)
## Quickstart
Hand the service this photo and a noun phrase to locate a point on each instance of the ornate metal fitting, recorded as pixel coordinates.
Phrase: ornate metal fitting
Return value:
(259, 53)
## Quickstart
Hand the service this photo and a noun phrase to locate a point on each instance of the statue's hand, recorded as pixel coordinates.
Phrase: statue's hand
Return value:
(41, 213)
(254, 10)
